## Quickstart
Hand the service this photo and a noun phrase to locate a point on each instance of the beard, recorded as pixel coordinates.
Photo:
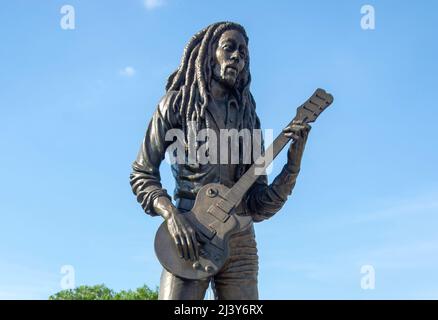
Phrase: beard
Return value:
(225, 75)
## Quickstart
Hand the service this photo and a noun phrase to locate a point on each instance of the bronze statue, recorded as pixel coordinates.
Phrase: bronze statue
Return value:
(208, 235)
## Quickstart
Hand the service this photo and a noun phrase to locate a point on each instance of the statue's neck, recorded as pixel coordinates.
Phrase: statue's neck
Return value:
(219, 92)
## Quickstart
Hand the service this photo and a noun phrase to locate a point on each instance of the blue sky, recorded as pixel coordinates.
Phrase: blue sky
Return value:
(74, 105)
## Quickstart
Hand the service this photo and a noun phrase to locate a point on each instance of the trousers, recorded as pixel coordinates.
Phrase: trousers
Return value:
(237, 279)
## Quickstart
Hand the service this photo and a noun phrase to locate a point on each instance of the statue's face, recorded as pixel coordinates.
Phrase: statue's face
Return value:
(230, 57)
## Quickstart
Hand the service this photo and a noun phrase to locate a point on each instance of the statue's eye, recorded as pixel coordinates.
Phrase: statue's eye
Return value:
(227, 47)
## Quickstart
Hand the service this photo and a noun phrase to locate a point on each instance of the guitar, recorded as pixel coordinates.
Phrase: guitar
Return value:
(213, 216)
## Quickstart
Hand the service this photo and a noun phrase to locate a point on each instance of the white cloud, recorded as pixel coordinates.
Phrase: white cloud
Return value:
(153, 4)
(127, 71)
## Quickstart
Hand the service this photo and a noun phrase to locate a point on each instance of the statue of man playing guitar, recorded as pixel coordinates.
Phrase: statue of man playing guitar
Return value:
(211, 89)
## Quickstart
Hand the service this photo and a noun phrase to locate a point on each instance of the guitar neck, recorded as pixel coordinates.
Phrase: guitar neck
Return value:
(236, 193)
(306, 113)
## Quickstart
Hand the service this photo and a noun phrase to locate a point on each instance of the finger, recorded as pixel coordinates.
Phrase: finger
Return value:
(184, 248)
(179, 246)
(300, 127)
(294, 127)
(293, 136)
(189, 246)
(194, 244)
(292, 132)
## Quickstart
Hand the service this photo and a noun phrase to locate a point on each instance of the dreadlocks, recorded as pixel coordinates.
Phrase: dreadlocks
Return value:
(193, 76)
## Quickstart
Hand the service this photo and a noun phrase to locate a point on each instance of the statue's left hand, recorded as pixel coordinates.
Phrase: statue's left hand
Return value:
(299, 132)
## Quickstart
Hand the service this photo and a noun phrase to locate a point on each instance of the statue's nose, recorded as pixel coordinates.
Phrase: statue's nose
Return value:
(235, 56)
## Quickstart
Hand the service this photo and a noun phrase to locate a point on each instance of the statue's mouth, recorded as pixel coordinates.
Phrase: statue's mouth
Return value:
(231, 69)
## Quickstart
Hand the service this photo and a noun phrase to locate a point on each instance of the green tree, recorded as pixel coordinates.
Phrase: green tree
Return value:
(102, 292)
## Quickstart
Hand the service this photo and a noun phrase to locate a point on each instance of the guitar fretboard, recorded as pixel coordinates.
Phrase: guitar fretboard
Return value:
(306, 113)
(236, 193)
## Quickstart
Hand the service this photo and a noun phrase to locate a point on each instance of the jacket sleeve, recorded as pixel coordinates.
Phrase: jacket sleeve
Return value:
(145, 177)
(263, 200)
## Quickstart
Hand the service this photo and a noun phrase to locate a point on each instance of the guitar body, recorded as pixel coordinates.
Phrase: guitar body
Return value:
(213, 227)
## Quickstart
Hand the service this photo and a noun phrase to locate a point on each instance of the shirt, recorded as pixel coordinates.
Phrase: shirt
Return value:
(261, 201)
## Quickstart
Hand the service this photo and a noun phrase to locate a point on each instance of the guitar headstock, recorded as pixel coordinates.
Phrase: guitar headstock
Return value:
(314, 106)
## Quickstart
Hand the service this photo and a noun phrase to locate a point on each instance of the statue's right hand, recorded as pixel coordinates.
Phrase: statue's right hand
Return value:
(183, 235)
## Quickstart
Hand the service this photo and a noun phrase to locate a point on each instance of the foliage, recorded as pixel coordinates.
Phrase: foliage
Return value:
(101, 292)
